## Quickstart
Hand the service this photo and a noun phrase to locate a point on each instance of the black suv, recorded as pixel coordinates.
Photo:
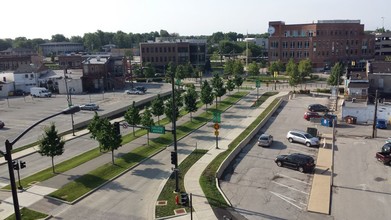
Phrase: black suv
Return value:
(301, 162)
(141, 88)
(318, 108)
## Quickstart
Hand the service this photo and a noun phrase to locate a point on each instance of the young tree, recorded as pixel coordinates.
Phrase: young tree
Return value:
(147, 120)
(273, 68)
(95, 126)
(229, 67)
(206, 94)
(230, 85)
(238, 80)
(171, 69)
(294, 76)
(253, 69)
(335, 75)
(304, 68)
(132, 116)
(238, 68)
(157, 107)
(108, 138)
(168, 110)
(50, 144)
(218, 86)
(149, 71)
(180, 72)
(190, 99)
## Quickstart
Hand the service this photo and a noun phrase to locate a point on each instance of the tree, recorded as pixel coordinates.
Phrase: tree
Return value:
(157, 106)
(132, 116)
(304, 68)
(108, 138)
(149, 70)
(335, 75)
(4, 44)
(293, 73)
(92, 41)
(238, 80)
(218, 86)
(59, 38)
(229, 67)
(206, 94)
(147, 121)
(180, 72)
(164, 33)
(273, 68)
(238, 68)
(95, 127)
(168, 110)
(171, 69)
(253, 69)
(51, 144)
(190, 99)
(230, 85)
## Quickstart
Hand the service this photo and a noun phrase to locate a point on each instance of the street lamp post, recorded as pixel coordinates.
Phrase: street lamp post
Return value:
(374, 118)
(69, 99)
(8, 156)
(174, 133)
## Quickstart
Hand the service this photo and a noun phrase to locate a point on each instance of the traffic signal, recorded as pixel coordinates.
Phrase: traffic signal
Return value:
(116, 128)
(15, 164)
(22, 164)
(174, 158)
(184, 198)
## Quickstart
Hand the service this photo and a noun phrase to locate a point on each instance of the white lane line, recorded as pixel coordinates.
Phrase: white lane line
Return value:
(286, 200)
(300, 181)
(290, 187)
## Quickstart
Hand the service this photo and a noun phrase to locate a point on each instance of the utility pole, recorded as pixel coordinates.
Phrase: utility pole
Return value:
(374, 118)
(174, 133)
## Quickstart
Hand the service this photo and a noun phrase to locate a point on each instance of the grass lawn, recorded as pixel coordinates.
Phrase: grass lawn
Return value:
(28, 214)
(208, 179)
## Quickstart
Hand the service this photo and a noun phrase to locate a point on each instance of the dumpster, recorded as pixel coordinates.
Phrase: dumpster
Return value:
(351, 119)
(327, 120)
(312, 131)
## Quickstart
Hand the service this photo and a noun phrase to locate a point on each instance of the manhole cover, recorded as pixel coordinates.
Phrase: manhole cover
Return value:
(180, 211)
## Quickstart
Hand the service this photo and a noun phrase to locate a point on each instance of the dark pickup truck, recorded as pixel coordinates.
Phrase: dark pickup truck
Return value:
(384, 157)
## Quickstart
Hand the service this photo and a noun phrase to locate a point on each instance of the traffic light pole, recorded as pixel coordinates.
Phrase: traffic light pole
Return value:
(174, 133)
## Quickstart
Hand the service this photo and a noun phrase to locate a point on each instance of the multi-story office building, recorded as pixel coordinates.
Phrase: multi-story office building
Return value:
(177, 51)
(324, 43)
(58, 48)
(382, 46)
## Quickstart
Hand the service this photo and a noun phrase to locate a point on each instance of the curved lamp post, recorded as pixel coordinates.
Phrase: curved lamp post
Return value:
(8, 155)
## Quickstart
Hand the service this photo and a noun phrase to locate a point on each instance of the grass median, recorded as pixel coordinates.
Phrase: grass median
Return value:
(208, 177)
(86, 183)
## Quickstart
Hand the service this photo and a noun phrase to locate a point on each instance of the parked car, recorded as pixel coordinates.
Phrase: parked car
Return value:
(309, 115)
(141, 88)
(303, 138)
(301, 162)
(265, 140)
(384, 157)
(89, 107)
(318, 108)
(2, 124)
(19, 92)
(381, 123)
(386, 148)
(133, 91)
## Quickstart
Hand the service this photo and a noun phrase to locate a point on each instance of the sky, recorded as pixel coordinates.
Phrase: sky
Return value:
(44, 18)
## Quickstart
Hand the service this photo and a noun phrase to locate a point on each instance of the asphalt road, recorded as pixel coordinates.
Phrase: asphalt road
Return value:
(256, 187)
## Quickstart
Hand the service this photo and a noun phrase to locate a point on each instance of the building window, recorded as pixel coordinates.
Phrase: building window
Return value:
(169, 49)
(147, 50)
(165, 49)
(26, 76)
(300, 44)
(160, 50)
(292, 44)
(31, 75)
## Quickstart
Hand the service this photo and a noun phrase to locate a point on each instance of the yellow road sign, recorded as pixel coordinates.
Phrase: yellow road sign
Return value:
(217, 133)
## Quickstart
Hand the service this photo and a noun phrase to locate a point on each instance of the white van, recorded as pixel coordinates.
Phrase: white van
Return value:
(40, 92)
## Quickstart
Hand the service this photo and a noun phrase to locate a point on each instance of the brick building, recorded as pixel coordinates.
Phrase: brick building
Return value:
(324, 43)
(178, 51)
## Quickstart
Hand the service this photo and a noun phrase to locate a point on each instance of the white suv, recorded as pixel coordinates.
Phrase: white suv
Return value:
(303, 138)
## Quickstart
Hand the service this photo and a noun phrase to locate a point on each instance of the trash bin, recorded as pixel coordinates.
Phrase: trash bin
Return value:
(312, 131)
(351, 119)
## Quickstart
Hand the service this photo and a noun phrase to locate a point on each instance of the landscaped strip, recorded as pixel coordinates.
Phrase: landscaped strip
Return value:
(28, 214)
(77, 188)
(208, 177)
(167, 191)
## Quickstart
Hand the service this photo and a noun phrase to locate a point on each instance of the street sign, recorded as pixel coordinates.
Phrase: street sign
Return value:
(216, 117)
(178, 82)
(217, 133)
(125, 125)
(257, 83)
(157, 129)
(216, 126)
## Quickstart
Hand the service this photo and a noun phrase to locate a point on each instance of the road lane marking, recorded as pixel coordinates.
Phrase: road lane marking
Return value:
(290, 187)
(286, 200)
(282, 175)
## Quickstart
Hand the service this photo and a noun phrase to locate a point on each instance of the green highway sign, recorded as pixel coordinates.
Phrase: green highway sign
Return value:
(178, 81)
(257, 83)
(216, 117)
(157, 129)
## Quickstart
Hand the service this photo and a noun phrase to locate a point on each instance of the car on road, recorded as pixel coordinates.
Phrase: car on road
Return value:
(301, 162)
(134, 91)
(89, 107)
(141, 88)
(2, 124)
(318, 108)
(309, 115)
(265, 140)
(302, 137)
(381, 123)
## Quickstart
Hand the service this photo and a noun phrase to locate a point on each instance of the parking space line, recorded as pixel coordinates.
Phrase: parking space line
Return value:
(282, 175)
(290, 187)
(286, 200)
(304, 152)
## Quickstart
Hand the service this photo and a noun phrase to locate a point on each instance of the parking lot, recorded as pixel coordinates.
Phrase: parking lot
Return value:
(257, 187)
